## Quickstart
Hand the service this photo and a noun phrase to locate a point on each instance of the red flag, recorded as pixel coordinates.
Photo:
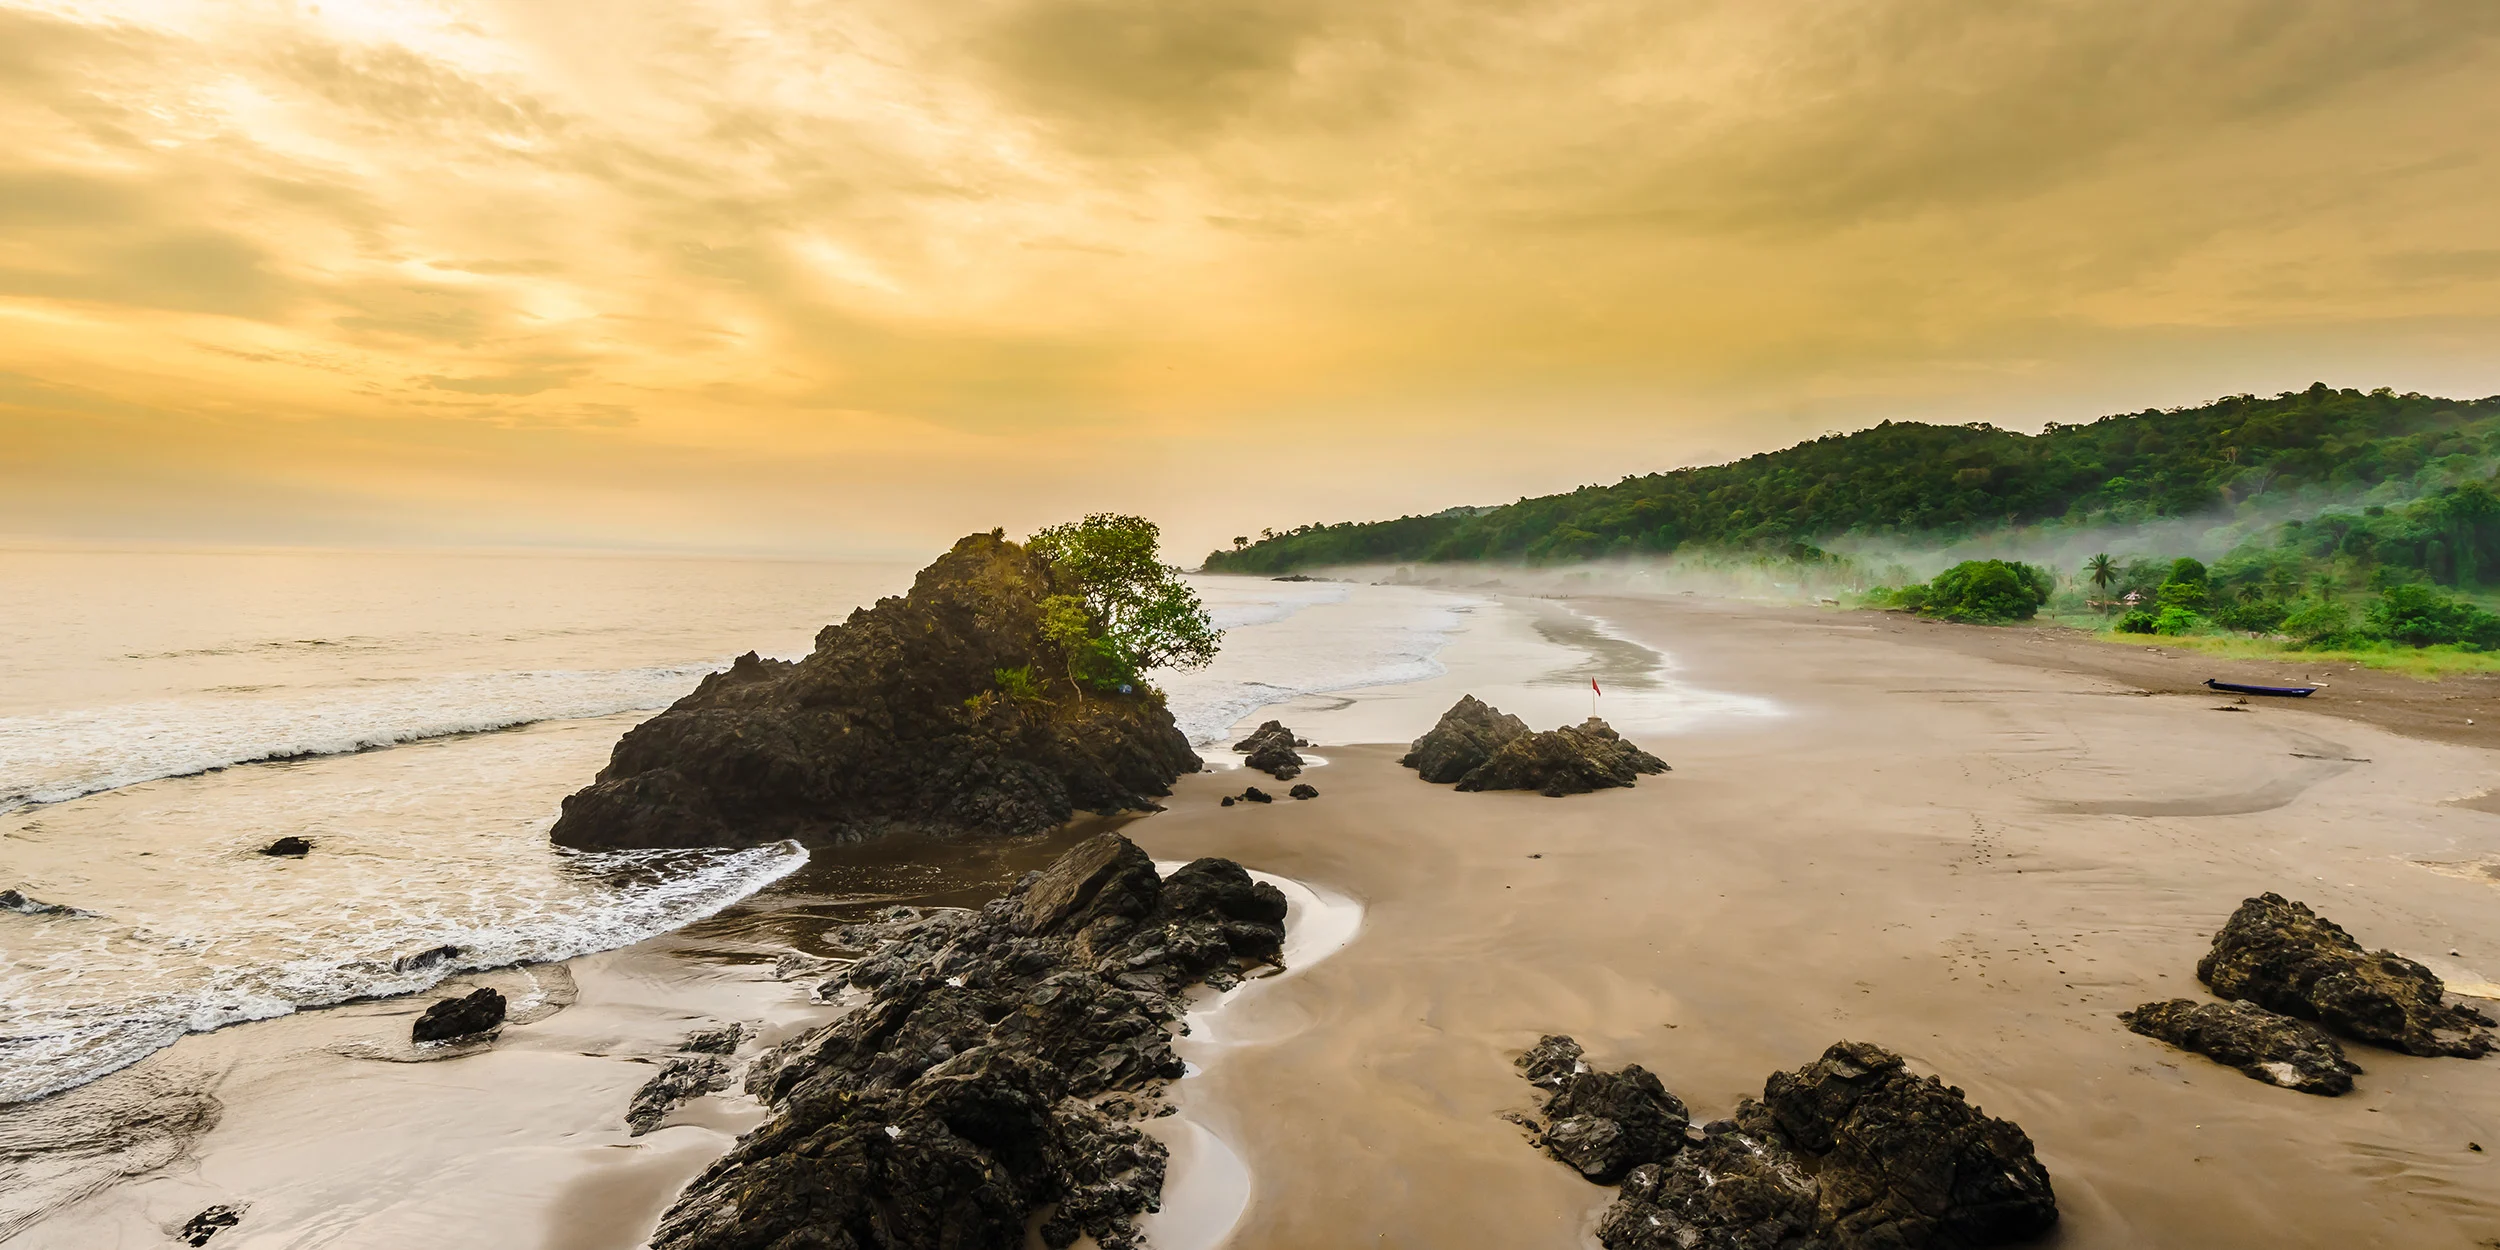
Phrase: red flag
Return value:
(1593, 687)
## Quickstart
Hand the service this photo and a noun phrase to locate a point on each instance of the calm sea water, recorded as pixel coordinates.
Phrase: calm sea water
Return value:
(163, 715)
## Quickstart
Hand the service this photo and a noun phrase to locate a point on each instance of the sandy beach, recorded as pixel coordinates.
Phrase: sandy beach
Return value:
(1962, 844)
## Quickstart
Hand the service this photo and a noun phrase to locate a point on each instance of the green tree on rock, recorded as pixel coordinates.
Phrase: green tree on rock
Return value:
(1121, 611)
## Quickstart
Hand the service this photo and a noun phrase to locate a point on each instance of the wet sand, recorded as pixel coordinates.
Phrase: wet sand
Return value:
(1953, 848)
(1976, 862)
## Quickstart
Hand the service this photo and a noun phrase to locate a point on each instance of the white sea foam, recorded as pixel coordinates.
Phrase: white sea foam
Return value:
(1301, 638)
(48, 757)
(83, 996)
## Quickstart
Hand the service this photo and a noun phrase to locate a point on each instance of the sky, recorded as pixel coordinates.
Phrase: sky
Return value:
(857, 278)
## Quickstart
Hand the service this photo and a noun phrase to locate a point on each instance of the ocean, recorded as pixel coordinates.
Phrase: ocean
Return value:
(164, 715)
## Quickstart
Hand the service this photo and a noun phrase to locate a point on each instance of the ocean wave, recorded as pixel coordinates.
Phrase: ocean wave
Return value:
(49, 1043)
(49, 757)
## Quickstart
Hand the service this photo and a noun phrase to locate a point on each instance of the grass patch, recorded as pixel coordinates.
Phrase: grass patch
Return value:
(2419, 663)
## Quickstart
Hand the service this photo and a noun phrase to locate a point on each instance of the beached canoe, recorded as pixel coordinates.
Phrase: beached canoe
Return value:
(2287, 692)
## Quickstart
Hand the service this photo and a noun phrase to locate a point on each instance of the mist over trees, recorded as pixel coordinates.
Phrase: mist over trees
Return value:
(2424, 457)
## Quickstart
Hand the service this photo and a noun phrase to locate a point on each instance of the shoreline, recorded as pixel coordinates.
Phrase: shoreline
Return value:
(1715, 923)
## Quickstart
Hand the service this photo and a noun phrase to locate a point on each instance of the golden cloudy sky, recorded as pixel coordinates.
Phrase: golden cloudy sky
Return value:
(861, 276)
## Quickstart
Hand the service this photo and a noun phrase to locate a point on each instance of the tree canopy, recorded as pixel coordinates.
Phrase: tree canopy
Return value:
(1121, 612)
(1938, 482)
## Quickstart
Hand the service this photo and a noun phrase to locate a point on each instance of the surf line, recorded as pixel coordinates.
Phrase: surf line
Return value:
(1206, 1185)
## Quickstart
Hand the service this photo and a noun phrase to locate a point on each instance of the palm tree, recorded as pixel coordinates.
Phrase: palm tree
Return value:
(2326, 587)
(2104, 571)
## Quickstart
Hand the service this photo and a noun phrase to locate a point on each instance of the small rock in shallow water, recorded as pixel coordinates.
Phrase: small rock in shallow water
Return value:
(426, 958)
(1304, 791)
(2284, 957)
(2268, 1047)
(1257, 795)
(12, 900)
(459, 1017)
(1228, 800)
(680, 1081)
(288, 846)
(208, 1224)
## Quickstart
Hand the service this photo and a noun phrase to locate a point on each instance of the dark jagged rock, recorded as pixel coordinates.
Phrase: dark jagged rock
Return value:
(1254, 794)
(291, 847)
(459, 1017)
(426, 958)
(1304, 791)
(1574, 759)
(720, 1040)
(1607, 1123)
(1228, 801)
(990, 1075)
(896, 720)
(1850, 1152)
(2276, 1049)
(199, 1228)
(679, 1081)
(17, 901)
(2284, 957)
(1467, 735)
(1270, 749)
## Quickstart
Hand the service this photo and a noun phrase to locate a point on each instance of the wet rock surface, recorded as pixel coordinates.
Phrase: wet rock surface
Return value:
(898, 719)
(207, 1224)
(2282, 956)
(1479, 747)
(994, 1070)
(1303, 791)
(1850, 1152)
(288, 847)
(1270, 749)
(459, 1017)
(17, 901)
(2276, 1049)
(1466, 736)
(679, 1081)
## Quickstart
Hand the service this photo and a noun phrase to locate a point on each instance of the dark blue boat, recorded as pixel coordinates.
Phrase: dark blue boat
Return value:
(2285, 692)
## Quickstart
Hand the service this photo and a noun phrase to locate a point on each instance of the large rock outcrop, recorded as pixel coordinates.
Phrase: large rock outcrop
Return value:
(1480, 747)
(939, 710)
(994, 1072)
(2268, 1047)
(1850, 1152)
(1270, 749)
(2284, 957)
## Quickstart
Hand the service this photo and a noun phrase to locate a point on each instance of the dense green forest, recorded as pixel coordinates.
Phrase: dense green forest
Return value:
(2395, 459)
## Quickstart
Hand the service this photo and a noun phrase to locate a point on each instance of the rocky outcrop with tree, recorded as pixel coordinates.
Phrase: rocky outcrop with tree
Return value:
(994, 1073)
(1480, 747)
(1850, 1152)
(1003, 694)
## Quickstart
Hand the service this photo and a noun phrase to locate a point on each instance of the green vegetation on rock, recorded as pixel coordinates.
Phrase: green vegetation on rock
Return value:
(1126, 611)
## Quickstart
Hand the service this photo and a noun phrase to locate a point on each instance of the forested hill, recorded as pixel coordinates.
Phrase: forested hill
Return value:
(1938, 482)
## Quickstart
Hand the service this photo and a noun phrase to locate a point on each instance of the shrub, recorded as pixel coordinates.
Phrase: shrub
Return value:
(2137, 621)
(2257, 616)
(1988, 592)
(2176, 621)
(1018, 684)
(2318, 625)
(2418, 616)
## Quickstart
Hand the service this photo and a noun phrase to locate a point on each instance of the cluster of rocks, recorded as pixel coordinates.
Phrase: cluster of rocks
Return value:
(1850, 1152)
(994, 1072)
(1270, 749)
(2291, 980)
(704, 1068)
(1480, 747)
(1253, 794)
(899, 719)
(459, 1017)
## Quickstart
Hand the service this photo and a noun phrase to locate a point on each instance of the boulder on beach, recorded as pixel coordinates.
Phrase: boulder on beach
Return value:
(459, 1017)
(1303, 791)
(679, 1081)
(1574, 759)
(1253, 794)
(1607, 1123)
(2276, 1049)
(941, 710)
(1480, 747)
(290, 847)
(992, 1073)
(1466, 736)
(2282, 956)
(1850, 1152)
(1270, 749)
(197, 1230)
